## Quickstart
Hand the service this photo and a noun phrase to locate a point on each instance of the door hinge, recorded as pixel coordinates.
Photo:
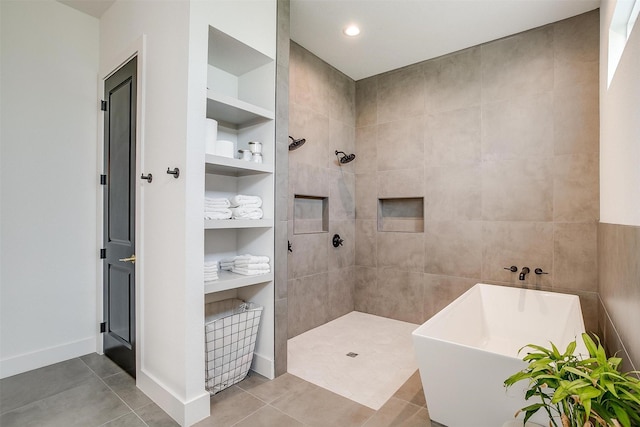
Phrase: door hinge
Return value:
(103, 253)
(103, 105)
(103, 179)
(103, 327)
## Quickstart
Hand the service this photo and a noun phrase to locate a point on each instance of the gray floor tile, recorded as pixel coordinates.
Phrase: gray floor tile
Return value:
(125, 387)
(128, 420)
(231, 406)
(251, 381)
(412, 391)
(268, 416)
(88, 404)
(321, 408)
(154, 416)
(101, 364)
(29, 387)
(393, 413)
(279, 387)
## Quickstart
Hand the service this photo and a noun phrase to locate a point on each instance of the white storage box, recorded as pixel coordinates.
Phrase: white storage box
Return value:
(231, 329)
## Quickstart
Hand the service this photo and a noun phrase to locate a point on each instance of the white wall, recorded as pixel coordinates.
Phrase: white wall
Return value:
(48, 184)
(619, 129)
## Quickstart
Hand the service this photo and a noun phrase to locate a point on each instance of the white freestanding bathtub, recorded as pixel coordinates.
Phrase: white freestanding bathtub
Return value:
(467, 350)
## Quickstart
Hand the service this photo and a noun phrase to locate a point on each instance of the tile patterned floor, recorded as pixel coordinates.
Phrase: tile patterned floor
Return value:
(93, 391)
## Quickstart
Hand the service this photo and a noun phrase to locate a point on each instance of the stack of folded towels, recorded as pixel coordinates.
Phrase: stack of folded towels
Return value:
(246, 207)
(247, 265)
(210, 271)
(217, 208)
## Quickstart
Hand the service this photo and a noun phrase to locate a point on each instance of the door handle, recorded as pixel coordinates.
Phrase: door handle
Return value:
(131, 259)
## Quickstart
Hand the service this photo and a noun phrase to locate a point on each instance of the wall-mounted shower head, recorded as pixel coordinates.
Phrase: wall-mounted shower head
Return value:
(346, 158)
(296, 143)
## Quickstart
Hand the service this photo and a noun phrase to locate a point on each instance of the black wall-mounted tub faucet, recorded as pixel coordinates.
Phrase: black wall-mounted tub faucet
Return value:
(523, 273)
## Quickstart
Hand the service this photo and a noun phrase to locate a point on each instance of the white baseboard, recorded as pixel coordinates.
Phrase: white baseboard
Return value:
(46, 356)
(264, 366)
(184, 413)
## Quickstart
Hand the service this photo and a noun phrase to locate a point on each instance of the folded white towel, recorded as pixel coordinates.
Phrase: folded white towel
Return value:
(246, 213)
(251, 265)
(221, 202)
(249, 271)
(246, 201)
(225, 214)
(251, 258)
(211, 264)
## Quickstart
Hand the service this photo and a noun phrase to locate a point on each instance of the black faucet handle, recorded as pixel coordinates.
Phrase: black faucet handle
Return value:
(512, 269)
(539, 271)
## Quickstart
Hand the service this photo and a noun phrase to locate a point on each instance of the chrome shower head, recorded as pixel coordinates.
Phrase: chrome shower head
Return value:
(346, 158)
(296, 143)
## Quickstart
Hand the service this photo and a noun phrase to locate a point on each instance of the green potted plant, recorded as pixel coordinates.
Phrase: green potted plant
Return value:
(579, 391)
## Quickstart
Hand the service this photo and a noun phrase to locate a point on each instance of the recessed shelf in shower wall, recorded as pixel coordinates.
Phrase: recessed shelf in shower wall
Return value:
(404, 214)
(310, 214)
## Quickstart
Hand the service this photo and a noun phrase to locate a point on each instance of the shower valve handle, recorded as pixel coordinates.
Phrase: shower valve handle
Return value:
(512, 269)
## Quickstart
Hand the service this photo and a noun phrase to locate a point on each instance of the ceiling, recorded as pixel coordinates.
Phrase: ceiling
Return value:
(396, 33)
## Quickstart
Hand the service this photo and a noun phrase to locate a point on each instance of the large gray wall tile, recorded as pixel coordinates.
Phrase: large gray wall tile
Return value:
(400, 144)
(453, 248)
(401, 94)
(453, 137)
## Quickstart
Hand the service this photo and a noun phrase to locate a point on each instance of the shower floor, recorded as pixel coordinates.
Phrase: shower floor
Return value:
(384, 361)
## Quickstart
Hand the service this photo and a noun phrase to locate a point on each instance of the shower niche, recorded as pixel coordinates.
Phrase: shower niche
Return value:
(405, 215)
(310, 214)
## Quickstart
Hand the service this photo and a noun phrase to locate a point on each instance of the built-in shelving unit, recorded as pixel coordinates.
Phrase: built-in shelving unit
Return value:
(241, 98)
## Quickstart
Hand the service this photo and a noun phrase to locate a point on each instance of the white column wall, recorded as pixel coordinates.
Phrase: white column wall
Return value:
(171, 300)
(49, 184)
(619, 128)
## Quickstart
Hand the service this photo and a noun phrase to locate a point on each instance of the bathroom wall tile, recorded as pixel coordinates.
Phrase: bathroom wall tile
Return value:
(399, 294)
(281, 258)
(518, 128)
(516, 243)
(453, 81)
(453, 193)
(366, 149)
(309, 79)
(366, 196)
(453, 137)
(367, 102)
(517, 190)
(575, 259)
(281, 327)
(342, 195)
(576, 119)
(310, 180)
(342, 137)
(401, 94)
(341, 285)
(576, 188)
(310, 254)
(366, 243)
(401, 251)
(282, 182)
(365, 289)
(342, 97)
(590, 305)
(518, 65)
(314, 127)
(401, 183)
(401, 144)
(577, 49)
(283, 33)
(453, 248)
(440, 291)
(619, 281)
(308, 298)
(342, 256)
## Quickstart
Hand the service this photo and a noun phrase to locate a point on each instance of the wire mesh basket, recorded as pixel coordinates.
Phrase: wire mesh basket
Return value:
(231, 329)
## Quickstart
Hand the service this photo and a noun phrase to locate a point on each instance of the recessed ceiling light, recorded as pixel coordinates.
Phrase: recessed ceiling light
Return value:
(351, 30)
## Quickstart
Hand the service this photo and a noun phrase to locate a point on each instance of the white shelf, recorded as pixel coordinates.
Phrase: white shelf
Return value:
(228, 280)
(218, 224)
(234, 167)
(225, 108)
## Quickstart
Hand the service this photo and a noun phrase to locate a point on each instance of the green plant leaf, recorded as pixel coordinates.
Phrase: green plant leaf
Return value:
(570, 349)
(530, 410)
(621, 415)
(588, 342)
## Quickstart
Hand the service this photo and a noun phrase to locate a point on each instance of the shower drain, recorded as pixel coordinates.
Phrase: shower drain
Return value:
(352, 354)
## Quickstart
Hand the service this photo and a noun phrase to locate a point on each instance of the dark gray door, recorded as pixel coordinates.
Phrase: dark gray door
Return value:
(119, 217)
